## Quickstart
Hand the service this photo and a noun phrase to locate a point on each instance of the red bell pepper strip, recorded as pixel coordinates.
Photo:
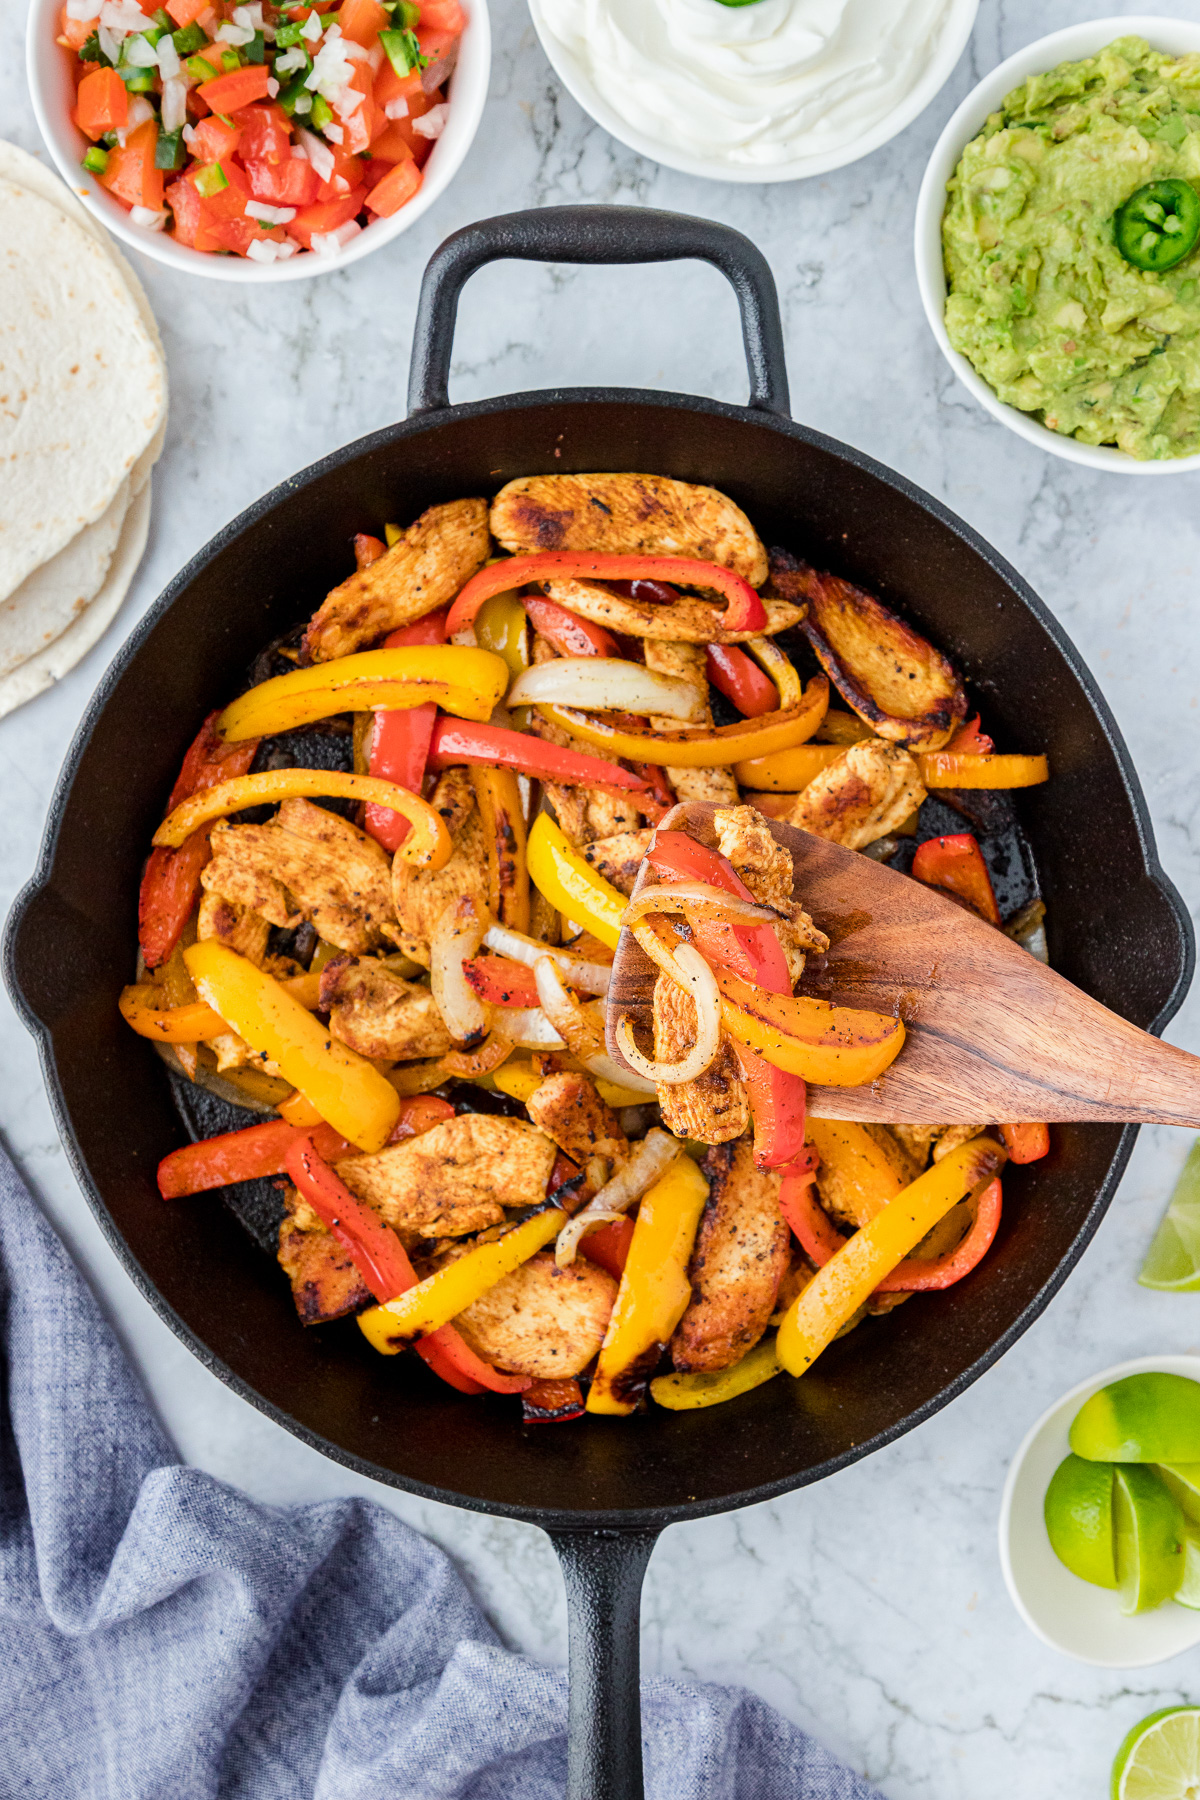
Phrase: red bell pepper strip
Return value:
(569, 634)
(1026, 1143)
(552, 1402)
(420, 1113)
(459, 741)
(956, 864)
(820, 1239)
(608, 1246)
(777, 1099)
(383, 1263)
(246, 1155)
(501, 981)
(744, 611)
(171, 880)
(400, 738)
(733, 674)
(367, 549)
(971, 741)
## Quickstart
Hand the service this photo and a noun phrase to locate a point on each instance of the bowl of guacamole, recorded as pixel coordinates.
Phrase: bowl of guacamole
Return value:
(1058, 244)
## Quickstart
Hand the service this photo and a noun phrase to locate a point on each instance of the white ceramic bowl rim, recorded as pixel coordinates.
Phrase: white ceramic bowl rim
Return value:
(1068, 45)
(1151, 1637)
(955, 33)
(49, 84)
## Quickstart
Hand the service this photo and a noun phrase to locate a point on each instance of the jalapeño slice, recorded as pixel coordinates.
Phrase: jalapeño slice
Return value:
(1158, 225)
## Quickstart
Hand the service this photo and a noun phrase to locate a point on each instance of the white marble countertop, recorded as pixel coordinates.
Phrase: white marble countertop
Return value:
(870, 1608)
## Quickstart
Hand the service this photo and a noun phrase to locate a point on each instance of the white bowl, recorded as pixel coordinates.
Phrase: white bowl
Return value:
(957, 29)
(51, 87)
(1067, 1613)
(1176, 36)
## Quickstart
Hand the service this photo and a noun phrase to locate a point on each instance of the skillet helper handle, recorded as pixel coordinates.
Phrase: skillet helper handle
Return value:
(603, 1572)
(597, 234)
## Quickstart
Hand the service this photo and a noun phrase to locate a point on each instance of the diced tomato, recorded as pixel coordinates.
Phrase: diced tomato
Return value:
(266, 132)
(131, 176)
(74, 32)
(443, 15)
(390, 86)
(346, 173)
(400, 131)
(184, 11)
(325, 217)
(241, 87)
(293, 182)
(213, 140)
(364, 122)
(239, 234)
(188, 209)
(362, 21)
(390, 147)
(398, 186)
(102, 103)
(374, 170)
(435, 45)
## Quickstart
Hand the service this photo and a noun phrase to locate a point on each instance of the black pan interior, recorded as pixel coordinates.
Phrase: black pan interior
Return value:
(1116, 928)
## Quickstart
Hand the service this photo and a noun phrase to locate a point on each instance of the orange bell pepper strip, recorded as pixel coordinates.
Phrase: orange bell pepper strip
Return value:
(787, 771)
(960, 769)
(102, 103)
(956, 864)
(499, 801)
(428, 845)
(170, 885)
(706, 747)
(744, 611)
(241, 87)
(462, 680)
(400, 737)
(1026, 1143)
(566, 631)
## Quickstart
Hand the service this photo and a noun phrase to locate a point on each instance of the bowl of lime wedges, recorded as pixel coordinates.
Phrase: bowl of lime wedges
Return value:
(1100, 1519)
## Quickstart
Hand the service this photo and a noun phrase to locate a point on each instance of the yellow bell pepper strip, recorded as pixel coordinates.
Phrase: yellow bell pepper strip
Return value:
(684, 1393)
(834, 1046)
(499, 800)
(450, 1290)
(558, 871)
(299, 1112)
(958, 769)
(393, 534)
(195, 1023)
(788, 771)
(518, 1080)
(710, 747)
(347, 1090)
(864, 1178)
(461, 680)
(500, 626)
(654, 1289)
(744, 610)
(779, 667)
(428, 844)
(849, 1278)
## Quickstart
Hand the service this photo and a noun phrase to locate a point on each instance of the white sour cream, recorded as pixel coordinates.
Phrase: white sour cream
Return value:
(752, 86)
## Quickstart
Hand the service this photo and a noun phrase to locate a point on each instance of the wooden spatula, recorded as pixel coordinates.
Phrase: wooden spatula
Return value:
(993, 1034)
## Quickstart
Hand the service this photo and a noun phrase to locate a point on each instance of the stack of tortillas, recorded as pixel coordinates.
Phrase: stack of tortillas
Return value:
(83, 411)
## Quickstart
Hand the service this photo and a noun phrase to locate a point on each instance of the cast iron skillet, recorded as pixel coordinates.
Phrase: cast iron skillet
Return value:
(603, 1490)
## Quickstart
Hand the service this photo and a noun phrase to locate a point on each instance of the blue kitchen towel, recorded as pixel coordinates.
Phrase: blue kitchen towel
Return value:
(165, 1636)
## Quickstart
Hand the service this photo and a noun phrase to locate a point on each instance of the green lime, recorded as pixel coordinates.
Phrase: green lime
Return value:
(1149, 1534)
(1183, 1479)
(1160, 1757)
(1144, 1418)
(1188, 1591)
(1079, 1520)
(1173, 1259)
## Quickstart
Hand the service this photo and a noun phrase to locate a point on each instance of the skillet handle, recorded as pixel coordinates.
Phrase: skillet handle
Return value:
(603, 1572)
(597, 234)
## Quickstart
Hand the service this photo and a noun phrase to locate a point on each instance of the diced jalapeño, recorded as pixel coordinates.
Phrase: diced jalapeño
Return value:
(96, 160)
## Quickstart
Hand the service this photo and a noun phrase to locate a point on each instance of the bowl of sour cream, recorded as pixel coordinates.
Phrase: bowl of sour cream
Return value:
(753, 90)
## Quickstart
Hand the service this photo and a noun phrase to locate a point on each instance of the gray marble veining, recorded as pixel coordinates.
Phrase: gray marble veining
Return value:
(870, 1608)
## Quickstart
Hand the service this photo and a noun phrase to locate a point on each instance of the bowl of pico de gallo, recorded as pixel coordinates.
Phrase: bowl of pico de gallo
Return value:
(258, 141)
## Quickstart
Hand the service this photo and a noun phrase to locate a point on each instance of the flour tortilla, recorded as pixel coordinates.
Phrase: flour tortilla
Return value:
(50, 665)
(82, 392)
(23, 170)
(52, 598)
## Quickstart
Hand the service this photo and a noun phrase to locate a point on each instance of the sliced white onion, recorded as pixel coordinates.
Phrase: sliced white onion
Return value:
(592, 977)
(603, 1065)
(702, 985)
(530, 1029)
(455, 940)
(581, 1034)
(608, 684)
(650, 1159)
(699, 895)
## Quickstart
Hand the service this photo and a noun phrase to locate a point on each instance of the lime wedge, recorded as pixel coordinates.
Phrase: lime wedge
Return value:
(1188, 1591)
(1079, 1520)
(1149, 1535)
(1183, 1479)
(1160, 1758)
(1144, 1418)
(1173, 1259)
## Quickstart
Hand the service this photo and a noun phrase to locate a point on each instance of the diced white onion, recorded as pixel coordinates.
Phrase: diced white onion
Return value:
(83, 10)
(140, 53)
(167, 58)
(608, 683)
(650, 1159)
(310, 31)
(174, 105)
(356, 52)
(189, 136)
(123, 16)
(109, 43)
(349, 101)
(591, 976)
(263, 250)
(288, 248)
(433, 123)
(702, 985)
(147, 217)
(397, 109)
(139, 111)
(270, 215)
(302, 103)
(318, 152)
(375, 56)
(272, 87)
(335, 134)
(454, 941)
(245, 17)
(291, 60)
(234, 35)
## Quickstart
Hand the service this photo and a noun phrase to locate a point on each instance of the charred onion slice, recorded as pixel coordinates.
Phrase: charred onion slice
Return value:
(713, 748)
(702, 986)
(650, 1159)
(455, 940)
(608, 684)
(699, 897)
(592, 977)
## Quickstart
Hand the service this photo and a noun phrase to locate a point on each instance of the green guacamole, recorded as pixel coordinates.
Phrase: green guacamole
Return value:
(1041, 301)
